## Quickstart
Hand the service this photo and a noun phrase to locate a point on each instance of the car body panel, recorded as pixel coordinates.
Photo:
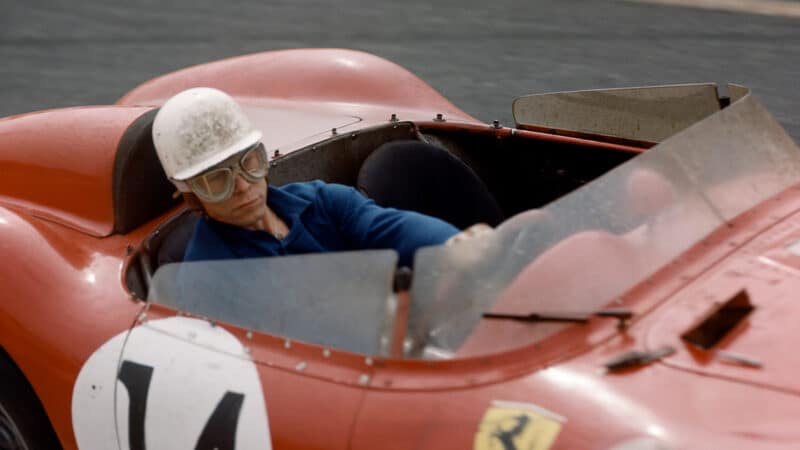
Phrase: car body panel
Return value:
(766, 336)
(57, 164)
(332, 385)
(338, 82)
(69, 308)
(293, 126)
(71, 285)
(681, 410)
(319, 75)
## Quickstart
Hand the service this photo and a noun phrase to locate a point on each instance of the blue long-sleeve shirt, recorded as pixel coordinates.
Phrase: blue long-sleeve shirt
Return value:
(321, 217)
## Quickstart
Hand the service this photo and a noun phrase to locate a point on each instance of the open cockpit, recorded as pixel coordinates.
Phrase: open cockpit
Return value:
(462, 173)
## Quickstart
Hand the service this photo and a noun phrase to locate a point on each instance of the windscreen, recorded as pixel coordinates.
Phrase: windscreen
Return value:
(342, 300)
(583, 251)
(646, 113)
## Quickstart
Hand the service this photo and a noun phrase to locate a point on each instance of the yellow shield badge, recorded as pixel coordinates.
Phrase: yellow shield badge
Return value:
(517, 426)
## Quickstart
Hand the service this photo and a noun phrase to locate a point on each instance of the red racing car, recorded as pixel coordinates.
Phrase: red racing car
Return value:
(637, 291)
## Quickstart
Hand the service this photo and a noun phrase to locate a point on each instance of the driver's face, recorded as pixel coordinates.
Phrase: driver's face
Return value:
(246, 206)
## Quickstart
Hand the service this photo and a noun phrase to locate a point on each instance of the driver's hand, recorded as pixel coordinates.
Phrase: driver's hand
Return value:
(477, 230)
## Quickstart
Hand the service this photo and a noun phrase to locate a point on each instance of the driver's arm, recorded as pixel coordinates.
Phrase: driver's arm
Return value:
(369, 226)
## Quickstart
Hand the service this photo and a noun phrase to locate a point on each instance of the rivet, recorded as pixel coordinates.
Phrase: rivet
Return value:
(301, 366)
(287, 344)
(496, 124)
(333, 131)
(439, 117)
(142, 317)
(368, 361)
(393, 118)
(249, 334)
(326, 353)
(276, 153)
(363, 379)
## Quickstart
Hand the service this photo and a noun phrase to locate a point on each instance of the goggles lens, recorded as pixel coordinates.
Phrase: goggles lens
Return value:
(217, 184)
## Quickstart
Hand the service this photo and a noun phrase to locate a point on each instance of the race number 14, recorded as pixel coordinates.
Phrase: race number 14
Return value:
(219, 432)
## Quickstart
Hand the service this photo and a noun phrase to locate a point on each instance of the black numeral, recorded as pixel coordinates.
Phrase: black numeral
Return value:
(136, 379)
(220, 429)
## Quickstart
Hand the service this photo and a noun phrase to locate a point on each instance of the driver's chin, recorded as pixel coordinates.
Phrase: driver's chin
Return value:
(249, 218)
(244, 216)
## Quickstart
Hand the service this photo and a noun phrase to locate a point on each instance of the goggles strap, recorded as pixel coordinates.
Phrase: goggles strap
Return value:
(181, 185)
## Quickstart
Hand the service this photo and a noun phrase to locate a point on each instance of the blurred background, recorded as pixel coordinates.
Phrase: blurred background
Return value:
(479, 54)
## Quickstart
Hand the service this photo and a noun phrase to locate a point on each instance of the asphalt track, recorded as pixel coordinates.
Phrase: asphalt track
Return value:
(478, 54)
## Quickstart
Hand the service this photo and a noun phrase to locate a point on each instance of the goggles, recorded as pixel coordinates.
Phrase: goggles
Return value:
(217, 184)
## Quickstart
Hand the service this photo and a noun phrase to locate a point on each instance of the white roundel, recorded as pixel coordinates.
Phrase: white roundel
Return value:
(173, 383)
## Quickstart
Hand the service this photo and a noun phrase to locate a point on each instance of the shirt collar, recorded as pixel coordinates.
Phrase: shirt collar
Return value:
(287, 205)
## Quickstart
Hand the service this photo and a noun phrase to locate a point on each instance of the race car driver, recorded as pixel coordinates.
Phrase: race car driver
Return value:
(213, 155)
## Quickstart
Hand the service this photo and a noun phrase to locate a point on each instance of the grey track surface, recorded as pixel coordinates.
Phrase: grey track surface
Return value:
(478, 54)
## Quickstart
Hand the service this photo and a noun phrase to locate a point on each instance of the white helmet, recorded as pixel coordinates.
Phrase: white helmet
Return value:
(198, 128)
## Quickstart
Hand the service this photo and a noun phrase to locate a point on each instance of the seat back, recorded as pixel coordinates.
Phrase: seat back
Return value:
(421, 177)
(141, 190)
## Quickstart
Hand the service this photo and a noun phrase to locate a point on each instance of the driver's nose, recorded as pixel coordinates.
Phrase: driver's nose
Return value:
(240, 184)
